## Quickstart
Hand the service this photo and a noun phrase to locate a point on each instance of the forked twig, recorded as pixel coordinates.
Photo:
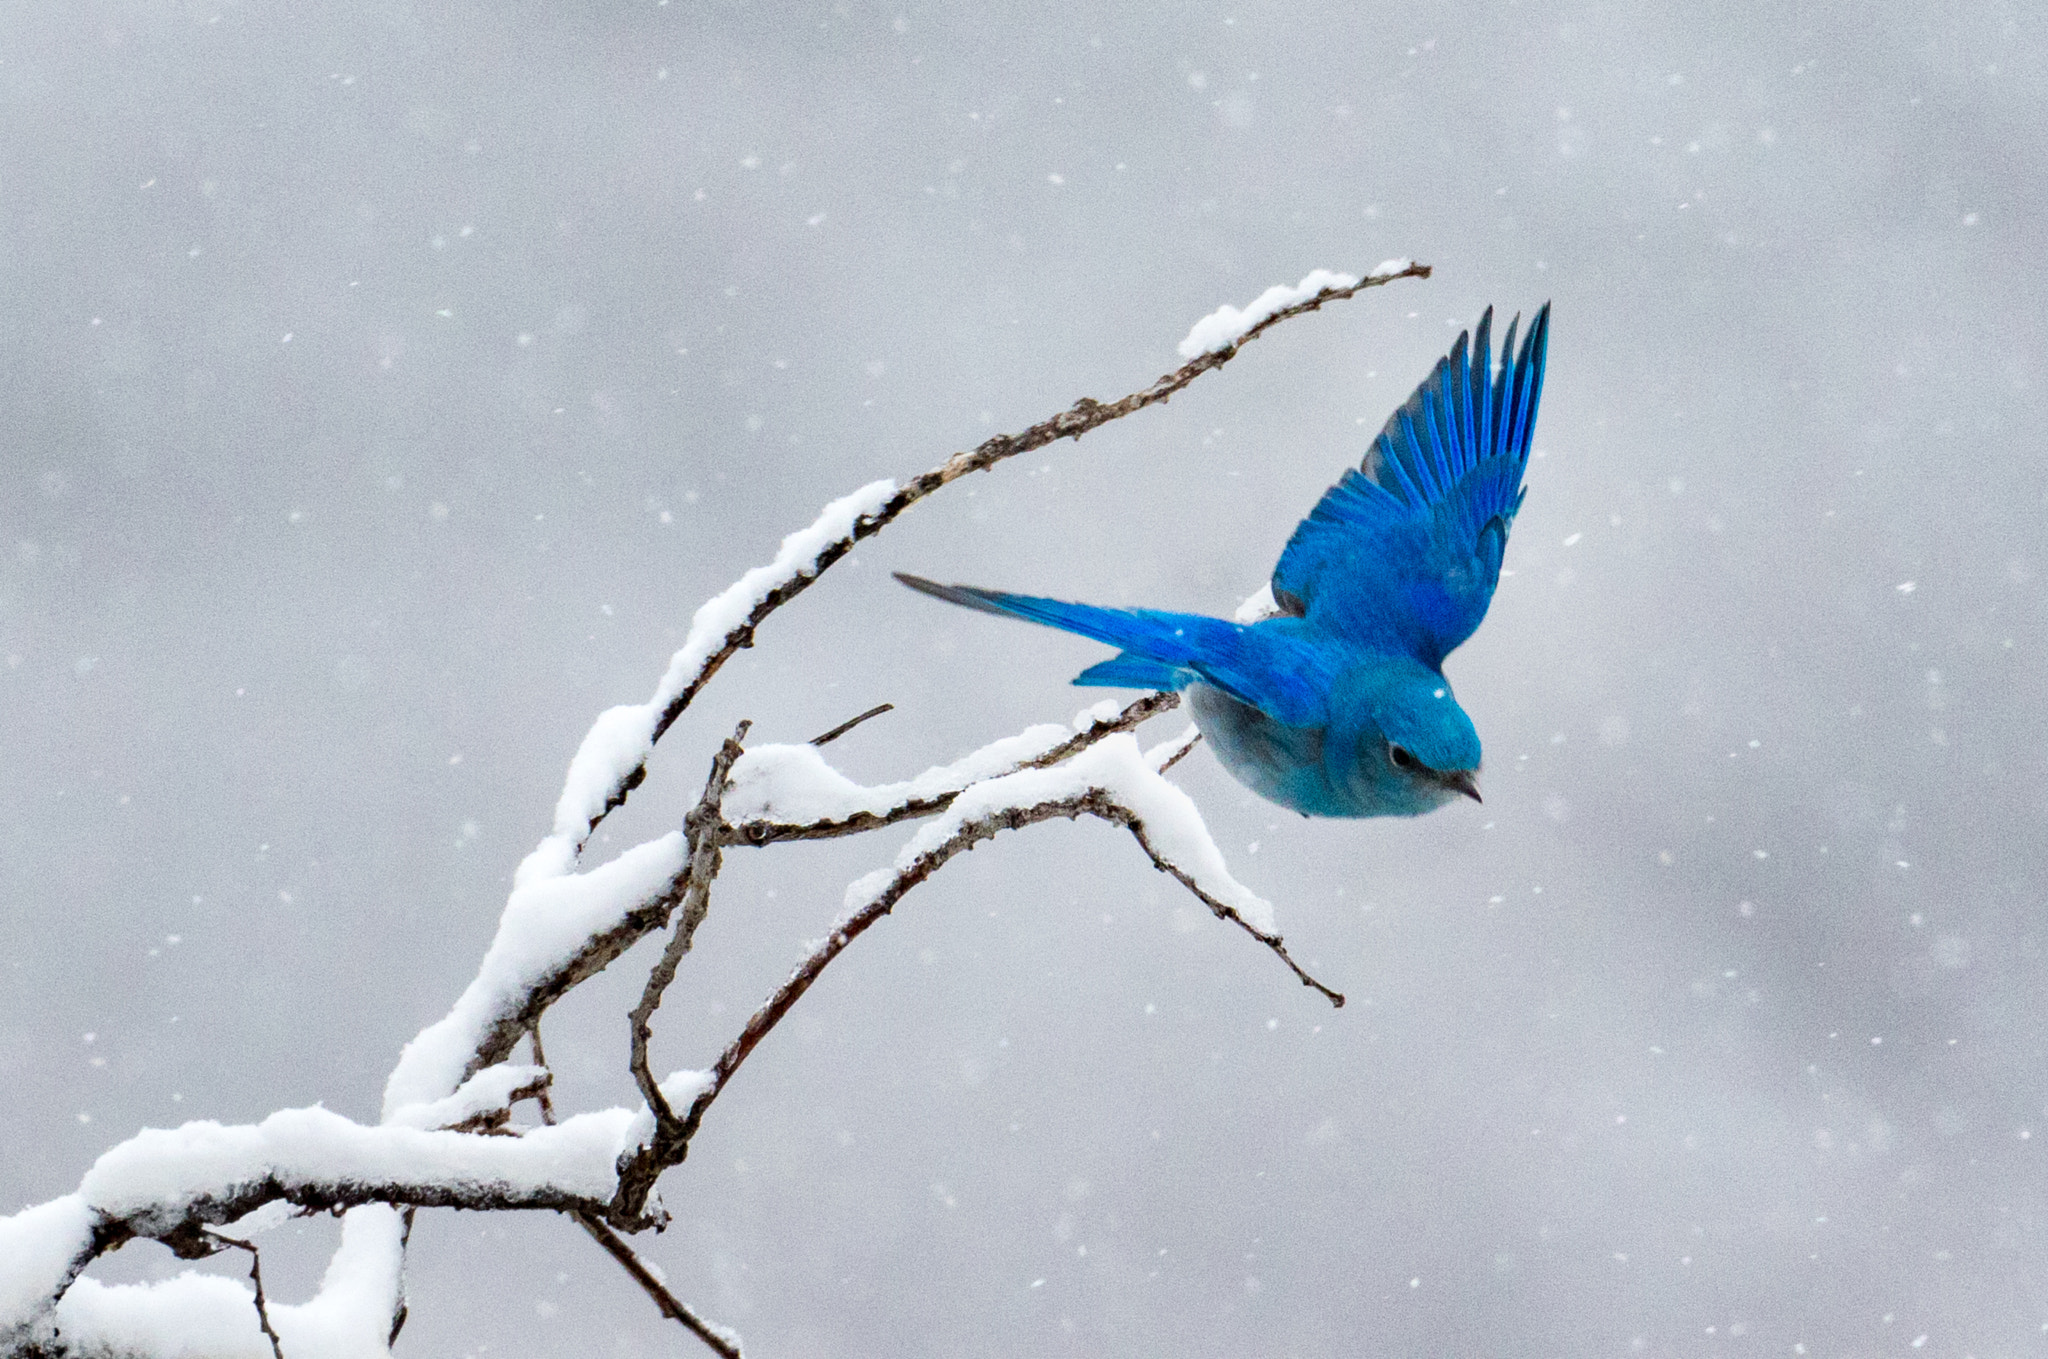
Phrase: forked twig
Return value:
(628, 1260)
(707, 834)
(795, 577)
(670, 1141)
(256, 1278)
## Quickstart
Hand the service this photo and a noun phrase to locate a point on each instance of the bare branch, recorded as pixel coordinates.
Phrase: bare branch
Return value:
(256, 1278)
(1125, 817)
(707, 833)
(671, 1306)
(850, 723)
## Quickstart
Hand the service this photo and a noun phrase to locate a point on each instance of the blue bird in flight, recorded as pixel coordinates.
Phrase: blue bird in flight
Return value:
(1338, 705)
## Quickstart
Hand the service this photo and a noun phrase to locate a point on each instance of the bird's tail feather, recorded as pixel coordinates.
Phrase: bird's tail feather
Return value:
(1168, 639)
(1161, 650)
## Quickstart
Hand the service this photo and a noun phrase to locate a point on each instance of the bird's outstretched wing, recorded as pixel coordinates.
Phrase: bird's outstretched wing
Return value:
(1404, 552)
(1266, 665)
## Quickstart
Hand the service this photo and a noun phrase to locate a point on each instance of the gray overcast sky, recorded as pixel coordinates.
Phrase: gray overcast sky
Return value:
(386, 384)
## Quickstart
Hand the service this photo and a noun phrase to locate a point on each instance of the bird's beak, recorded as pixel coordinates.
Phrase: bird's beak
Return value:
(1465, 781)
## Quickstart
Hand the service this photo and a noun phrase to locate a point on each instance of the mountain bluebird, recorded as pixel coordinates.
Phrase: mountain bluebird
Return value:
(1337, 705)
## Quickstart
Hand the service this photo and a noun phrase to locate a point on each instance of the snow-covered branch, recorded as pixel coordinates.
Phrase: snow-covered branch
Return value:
(171, 1184)
(445, 1138)
(791, 793)
(553, 934)
(1227, 327)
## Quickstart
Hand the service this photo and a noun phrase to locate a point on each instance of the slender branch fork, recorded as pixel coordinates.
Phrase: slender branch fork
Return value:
(256, 1280)
(672, 1307)
(683, 897)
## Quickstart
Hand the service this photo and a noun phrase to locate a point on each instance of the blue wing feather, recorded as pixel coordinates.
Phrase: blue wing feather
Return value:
(1404, 552)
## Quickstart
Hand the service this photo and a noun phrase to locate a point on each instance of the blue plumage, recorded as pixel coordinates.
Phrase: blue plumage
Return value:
(1338, 705)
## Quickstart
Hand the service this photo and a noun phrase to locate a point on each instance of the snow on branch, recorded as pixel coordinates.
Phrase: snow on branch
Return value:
(553, 934)
(791, 793)
(1227, 327)
(170, 1184)
(162, 1180)
(1114, 780)
(445, 1138)
(203, 1314)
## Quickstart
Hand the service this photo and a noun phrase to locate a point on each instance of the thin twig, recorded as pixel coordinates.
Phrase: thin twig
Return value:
(399, 1309)
(1083, 416)
(1182, 753)
(540, 1059)
(255, 1277)
(707, 831)
(1137, 711)
(1123, 816)
(671, 1306)
(850, 723)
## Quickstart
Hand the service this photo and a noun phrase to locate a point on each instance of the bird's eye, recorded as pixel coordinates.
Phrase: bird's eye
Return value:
(1401, 758)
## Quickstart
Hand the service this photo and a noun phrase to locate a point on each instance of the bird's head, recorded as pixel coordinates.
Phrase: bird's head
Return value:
(1409, 746)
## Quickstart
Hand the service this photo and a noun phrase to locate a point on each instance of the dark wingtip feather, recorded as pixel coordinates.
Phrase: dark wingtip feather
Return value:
(1530, 365)
(966, 596)
(1539, 334)
(1479, 385)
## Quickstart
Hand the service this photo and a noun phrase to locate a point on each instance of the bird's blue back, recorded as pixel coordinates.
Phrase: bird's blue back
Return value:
(1338, 706)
